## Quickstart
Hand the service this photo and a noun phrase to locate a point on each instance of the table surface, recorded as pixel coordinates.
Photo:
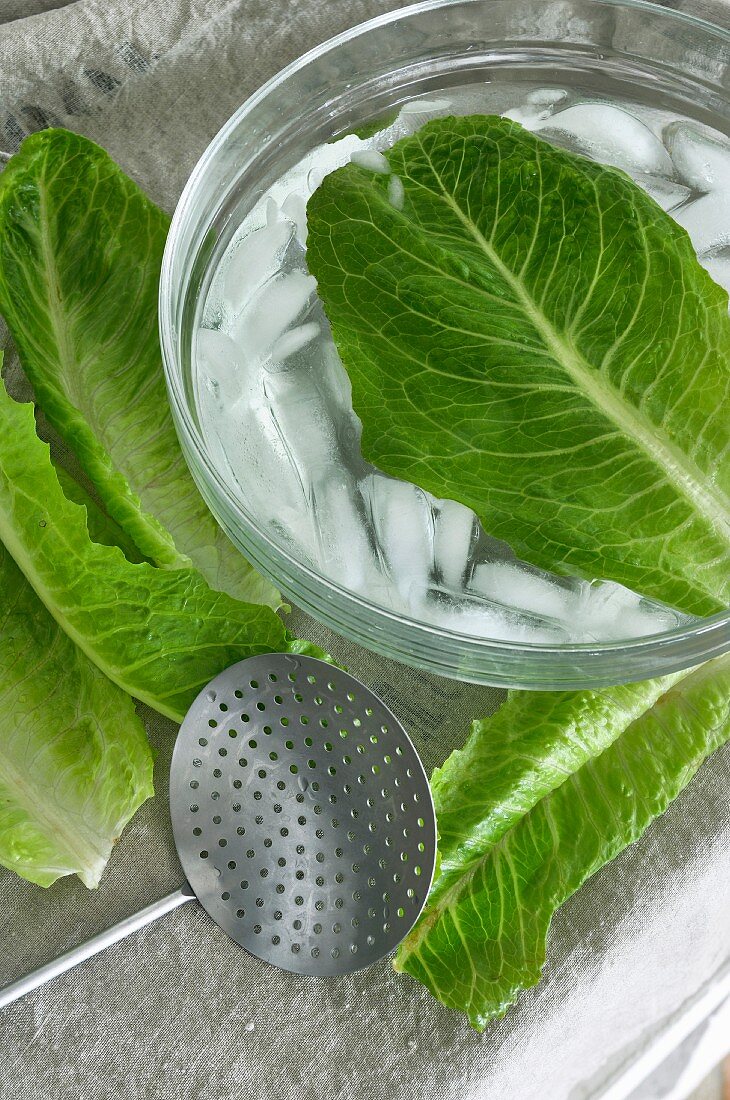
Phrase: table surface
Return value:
(179, 1010)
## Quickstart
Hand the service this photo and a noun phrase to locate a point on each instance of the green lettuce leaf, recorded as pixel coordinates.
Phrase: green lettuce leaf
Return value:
(74, 760)
(543, 795)
(80, 254)
(101, 527)
(160, 634)
(527, 332)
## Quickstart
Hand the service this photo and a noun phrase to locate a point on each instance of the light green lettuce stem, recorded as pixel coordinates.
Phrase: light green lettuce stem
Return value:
(74, 760)
(160, 634)
(80, 254)
(511, 860)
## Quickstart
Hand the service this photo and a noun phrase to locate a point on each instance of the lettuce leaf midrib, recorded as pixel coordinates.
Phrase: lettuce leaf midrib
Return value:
(462, 878)
(527, 764)
(678, 468)
(78, 843)
(159, 634)
(80, 251)
(74, 760)
(485, 938)
(160, 542)
(118, 672)
(464, 388)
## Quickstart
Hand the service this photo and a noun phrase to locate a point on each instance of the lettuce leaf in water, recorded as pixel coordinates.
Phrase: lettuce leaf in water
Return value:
(544, 794)
(527, 332)
(74, 760)
(160, 634)
(80, 254)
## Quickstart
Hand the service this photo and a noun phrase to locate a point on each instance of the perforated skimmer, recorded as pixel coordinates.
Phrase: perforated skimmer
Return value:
(302, 817)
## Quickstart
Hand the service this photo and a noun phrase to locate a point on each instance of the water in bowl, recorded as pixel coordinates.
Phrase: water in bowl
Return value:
(275, 404)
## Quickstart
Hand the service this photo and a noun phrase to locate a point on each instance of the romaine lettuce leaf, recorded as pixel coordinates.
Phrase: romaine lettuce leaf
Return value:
(101, 527)
(528, 332)
(160, 634)
(543, 795)
(80, 254)
(74, 760)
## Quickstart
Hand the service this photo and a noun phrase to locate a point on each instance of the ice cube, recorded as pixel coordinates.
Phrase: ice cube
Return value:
(606, 599)
(371, 160)
(702, 163)
(718, 268)
(260, 465)
(453, 538)
(314, 178)
(402, 521)
(295, 209)
(611, 136)
(412, 116)
(396, 192)
(276, 306)
(256, 257)
(667, 193)
(425, 106)
(294, 340)
(315, 376)
(483, 619)
(546, 97)
(273, 213)
(298, 486)
(707, 220)
(614, 612)
(642, 623)
(219, 361)
(334, 384)
(346, 553)
(530, 116)
(516, 585)
(305, 428)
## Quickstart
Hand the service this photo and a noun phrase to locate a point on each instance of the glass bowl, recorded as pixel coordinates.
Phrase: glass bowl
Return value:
(349, 81)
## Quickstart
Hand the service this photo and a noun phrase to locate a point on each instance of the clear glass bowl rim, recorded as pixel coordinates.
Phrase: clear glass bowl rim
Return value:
(709, 636)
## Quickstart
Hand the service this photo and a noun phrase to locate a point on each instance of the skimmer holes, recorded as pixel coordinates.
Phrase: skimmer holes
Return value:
(328, 898)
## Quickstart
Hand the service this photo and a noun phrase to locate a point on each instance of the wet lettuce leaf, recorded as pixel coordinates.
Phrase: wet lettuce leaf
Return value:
(527, 332)
(545, 793)
(80, 254)
(74, 759)
(159, 634)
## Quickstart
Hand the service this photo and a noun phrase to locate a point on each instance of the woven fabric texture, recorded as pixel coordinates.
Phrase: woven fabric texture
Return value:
(179, 1010)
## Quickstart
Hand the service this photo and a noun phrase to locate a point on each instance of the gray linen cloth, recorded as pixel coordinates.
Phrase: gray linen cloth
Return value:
(179, 1010)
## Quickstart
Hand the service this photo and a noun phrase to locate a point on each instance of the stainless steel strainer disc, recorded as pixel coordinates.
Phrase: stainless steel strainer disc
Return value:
(302, 817)
(302, 814)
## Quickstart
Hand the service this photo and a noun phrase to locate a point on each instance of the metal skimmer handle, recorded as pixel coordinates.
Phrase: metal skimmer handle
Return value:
(93, 946)
(302, 817)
